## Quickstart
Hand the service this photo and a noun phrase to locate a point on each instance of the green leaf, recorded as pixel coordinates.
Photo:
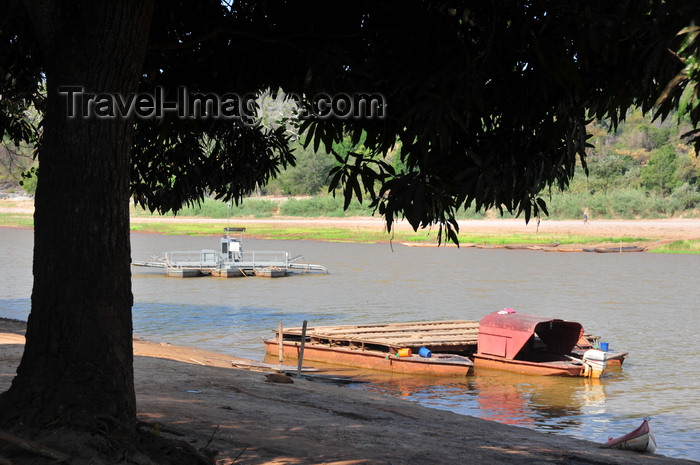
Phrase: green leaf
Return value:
(686, 98)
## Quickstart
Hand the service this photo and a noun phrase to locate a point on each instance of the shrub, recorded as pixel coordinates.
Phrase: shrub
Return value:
(687, 197)
(326, 205)
(212, 208)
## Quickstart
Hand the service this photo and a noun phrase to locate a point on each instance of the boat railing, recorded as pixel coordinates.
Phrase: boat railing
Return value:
(252, 260)
(192, 259)
(266, 258)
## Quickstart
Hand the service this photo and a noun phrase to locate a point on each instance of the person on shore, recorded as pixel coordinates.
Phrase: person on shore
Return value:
(585, 218)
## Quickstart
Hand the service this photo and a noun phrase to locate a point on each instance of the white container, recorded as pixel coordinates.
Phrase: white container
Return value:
(595, 363)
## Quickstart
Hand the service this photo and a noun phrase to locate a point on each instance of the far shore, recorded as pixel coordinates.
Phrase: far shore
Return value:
(249, 420)
(663, 229)
(652, 234)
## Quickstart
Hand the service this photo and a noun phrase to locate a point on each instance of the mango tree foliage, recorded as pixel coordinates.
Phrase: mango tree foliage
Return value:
(489, 100)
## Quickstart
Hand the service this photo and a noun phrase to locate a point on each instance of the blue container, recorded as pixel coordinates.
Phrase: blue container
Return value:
(604, 346)
(423, 352)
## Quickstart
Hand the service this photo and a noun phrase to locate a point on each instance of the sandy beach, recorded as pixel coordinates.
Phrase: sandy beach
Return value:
(199, 397)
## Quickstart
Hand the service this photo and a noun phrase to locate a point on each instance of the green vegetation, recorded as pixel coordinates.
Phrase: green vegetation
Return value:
(16, 220)
(684, 247)
(305, 207)
(623, 203)
(311, 207)
(16, 167)
(211, 208)
(619, 204)
(643, 170)
(281, 231)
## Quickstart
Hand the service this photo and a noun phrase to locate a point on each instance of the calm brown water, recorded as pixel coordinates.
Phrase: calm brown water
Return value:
(648, 304)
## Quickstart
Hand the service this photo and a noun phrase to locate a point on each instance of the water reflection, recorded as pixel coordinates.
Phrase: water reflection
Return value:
(550, 403)
(527, 399)
(546, 403)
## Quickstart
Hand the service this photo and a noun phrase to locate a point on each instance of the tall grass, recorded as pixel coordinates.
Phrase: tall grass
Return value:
(17, 220)
(622, 204)
(311, 207)
(326, 205)
(684, 247)
(212, 208)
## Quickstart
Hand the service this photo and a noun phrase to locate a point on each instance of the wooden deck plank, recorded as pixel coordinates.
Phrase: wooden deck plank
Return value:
(408, 331)
(392, 327)
(378, 331)
(409, 342)
(394, 337)
(425, 342)
(372, 329)
(402, 324)
(407, 337)
(410, 334)
(395, 326)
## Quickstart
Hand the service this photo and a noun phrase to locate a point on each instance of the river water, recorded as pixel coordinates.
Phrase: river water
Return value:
(647, 304)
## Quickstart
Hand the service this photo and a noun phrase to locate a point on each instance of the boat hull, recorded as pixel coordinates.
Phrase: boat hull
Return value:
(183, 272)
(619, 249)
(227, 273)
(272, 272)
(641, 440)
(445, 365)
(562, 368)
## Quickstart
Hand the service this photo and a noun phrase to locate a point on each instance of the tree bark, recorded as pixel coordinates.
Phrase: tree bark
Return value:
(77, 365)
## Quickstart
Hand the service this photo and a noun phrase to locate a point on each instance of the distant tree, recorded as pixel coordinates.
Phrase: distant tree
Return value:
(14, 161)
(659, 173)
(638, 131)
(612, 171)
(309, 176)
(688, 170)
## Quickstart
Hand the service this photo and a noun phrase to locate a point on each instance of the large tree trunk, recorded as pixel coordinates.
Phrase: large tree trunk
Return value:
(77, 366)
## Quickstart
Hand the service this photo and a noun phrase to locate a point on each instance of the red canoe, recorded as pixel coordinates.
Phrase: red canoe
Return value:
(641, 439)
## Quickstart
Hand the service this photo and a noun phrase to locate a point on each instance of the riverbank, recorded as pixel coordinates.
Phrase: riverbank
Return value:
(677, 234)
(652, 234)
(250, 420)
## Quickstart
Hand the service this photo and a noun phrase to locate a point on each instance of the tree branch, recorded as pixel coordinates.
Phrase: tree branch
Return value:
(259, 37)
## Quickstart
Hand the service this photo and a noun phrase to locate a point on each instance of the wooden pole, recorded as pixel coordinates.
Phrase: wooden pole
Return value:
(301, 348)
(280, 344)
